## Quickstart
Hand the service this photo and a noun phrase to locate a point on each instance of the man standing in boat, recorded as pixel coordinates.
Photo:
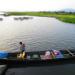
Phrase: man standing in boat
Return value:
(22, 49)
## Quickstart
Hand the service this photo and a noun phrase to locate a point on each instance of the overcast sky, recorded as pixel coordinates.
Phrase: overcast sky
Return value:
(35, 5)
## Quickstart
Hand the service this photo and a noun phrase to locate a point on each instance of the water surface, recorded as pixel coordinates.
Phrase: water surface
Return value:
(39, 33)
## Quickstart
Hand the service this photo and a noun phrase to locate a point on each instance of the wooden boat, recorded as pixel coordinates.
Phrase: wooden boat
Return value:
(34, 59)
(40, 57)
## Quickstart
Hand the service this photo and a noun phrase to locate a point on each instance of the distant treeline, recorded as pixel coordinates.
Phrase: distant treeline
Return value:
(40, 12)
(63, 16)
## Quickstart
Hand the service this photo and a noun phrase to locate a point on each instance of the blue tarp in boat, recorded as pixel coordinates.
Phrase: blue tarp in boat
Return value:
(3, 54)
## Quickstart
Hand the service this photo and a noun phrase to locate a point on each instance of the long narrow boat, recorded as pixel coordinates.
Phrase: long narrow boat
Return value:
(39, 57)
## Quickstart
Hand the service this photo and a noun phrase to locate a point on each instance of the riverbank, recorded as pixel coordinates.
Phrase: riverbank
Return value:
(65, 17)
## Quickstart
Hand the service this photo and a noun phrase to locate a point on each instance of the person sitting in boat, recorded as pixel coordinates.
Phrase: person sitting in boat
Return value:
(47, 55)
(56, 52)
(22, 49)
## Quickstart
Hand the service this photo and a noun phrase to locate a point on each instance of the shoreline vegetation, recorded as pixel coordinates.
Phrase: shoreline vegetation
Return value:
(68, 17)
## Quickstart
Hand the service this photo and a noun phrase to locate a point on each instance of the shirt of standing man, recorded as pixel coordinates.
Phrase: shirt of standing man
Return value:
(22, 47)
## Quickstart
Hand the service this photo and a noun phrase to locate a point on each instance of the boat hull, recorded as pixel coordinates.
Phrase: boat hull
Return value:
(37, 60)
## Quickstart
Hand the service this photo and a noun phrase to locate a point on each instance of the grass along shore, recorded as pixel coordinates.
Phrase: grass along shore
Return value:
(65, 17)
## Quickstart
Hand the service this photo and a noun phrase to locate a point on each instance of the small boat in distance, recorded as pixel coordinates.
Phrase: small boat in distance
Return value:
(22, 18)
(39, 57)
(1, 19)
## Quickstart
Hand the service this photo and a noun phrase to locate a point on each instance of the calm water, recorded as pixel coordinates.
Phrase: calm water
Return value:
(68, 69)
(39, 33)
